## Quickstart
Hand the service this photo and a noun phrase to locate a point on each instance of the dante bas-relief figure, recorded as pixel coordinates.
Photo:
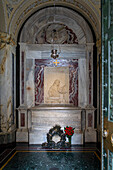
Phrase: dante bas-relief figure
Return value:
(56, 85)
(57, 93)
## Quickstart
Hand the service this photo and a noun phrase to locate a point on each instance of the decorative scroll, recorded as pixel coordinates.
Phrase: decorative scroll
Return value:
(39, 78)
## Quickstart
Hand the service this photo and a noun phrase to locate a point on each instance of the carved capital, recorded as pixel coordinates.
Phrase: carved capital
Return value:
(5, 39)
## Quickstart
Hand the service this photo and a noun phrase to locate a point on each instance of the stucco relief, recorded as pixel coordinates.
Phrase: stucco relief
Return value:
(55, 33)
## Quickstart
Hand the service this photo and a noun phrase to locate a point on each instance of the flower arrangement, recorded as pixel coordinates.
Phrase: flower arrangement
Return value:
(69, 131)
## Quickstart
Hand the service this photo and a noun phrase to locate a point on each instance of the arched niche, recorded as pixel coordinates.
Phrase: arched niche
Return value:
(46, 20)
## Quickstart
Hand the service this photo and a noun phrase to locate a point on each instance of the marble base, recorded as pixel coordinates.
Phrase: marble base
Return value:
(39, 137)
(22, 135)
(7, 137)
(43, 120)
(90, 135)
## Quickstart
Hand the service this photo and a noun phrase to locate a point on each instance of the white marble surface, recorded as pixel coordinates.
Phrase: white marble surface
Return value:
(43, 51)
(63, 118)
(82, 83)
(30, 88)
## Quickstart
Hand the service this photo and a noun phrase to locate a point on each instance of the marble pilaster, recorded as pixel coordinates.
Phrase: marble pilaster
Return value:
(7, 93)
(82, 99)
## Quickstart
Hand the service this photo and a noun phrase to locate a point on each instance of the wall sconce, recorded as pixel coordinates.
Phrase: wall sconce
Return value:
(105, 133)
(112, 139)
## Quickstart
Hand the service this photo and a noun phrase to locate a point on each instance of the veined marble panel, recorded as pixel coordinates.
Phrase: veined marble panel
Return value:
(73, 82)
(39, 85)
(70, 116)
(6, 89)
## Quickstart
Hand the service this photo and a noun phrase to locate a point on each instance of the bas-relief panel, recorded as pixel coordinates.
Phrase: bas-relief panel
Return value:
(60, 33)
(73, 79)
(56, 85)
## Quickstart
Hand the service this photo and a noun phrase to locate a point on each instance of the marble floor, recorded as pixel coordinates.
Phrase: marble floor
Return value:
(25, 157)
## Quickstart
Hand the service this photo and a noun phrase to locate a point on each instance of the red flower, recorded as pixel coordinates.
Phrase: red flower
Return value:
(70, 128)
(69, 131)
